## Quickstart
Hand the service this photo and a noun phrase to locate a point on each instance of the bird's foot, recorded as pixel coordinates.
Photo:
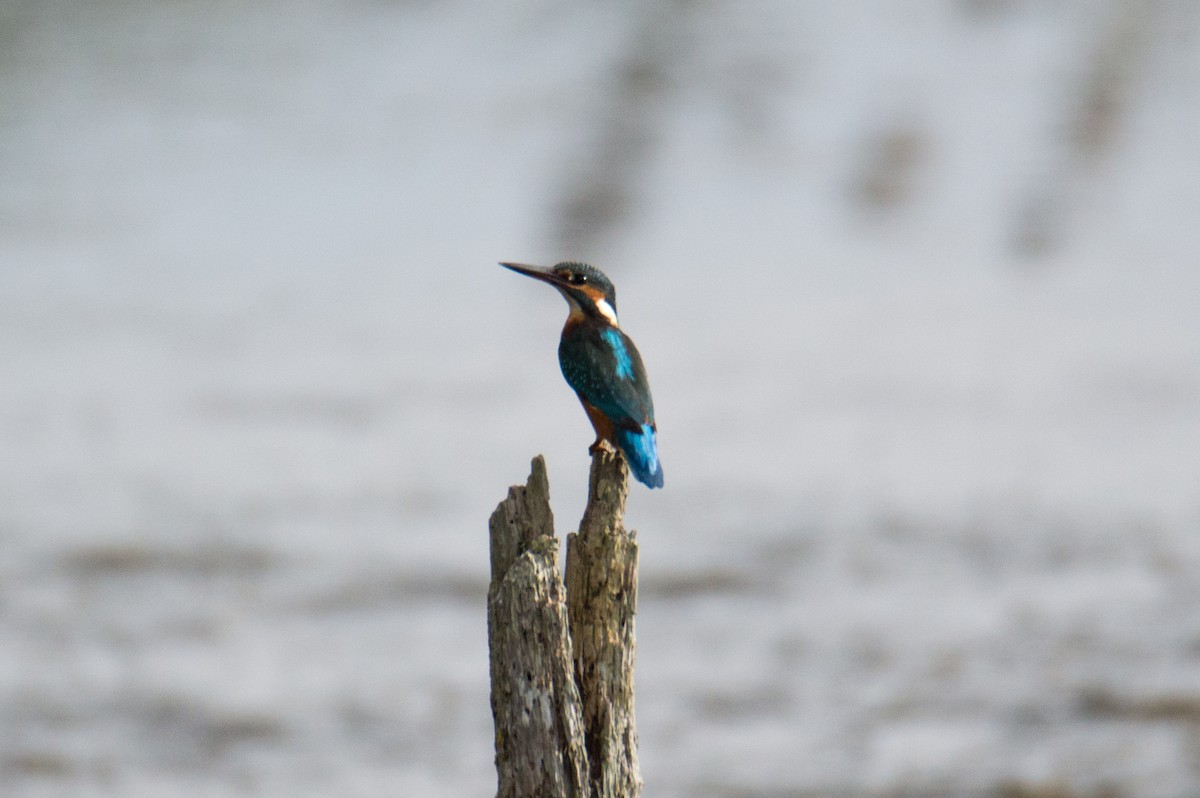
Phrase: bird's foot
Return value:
(601, 445)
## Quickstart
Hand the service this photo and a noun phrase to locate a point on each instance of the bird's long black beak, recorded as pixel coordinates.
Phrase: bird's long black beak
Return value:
(536, 272)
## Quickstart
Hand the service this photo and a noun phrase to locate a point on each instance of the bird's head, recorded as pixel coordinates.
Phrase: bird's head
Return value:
(586, 289)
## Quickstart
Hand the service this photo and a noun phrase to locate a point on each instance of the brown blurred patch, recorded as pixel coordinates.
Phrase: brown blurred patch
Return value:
(372, 591)
(701, 582)
(891, 161)
(1101, 702)
(1052, 789)
(38, 764)
(125, 559)
(1094, 108)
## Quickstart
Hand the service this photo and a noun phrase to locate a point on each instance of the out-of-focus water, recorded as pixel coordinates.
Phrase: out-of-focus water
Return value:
(915, 285)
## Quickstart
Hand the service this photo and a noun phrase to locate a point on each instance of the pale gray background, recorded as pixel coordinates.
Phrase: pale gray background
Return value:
(917, 288)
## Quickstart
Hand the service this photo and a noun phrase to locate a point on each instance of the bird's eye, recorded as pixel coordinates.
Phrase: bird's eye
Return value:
(577, 279)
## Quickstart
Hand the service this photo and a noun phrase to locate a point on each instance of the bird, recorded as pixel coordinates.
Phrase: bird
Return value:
(603, 367)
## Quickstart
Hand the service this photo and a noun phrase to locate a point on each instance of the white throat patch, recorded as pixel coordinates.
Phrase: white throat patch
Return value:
(606, 310)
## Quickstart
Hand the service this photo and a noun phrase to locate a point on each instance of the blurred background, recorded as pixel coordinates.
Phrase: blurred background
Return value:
(916, 287)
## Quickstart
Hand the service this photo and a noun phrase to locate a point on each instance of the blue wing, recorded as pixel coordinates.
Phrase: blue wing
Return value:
(604, 367)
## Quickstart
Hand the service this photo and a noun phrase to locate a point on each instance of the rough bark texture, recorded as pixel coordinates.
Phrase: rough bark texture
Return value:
(602, 599)
(562, 658)
(535, 702)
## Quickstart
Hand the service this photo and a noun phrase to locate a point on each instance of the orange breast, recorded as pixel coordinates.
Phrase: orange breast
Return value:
(604, 428)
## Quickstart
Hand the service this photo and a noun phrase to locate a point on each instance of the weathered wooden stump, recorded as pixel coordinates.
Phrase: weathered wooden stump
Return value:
(562, 656)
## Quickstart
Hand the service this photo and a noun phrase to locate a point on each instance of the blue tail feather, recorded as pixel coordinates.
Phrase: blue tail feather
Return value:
(641, 452)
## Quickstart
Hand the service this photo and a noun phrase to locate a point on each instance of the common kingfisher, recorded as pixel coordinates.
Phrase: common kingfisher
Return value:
(603, 366)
